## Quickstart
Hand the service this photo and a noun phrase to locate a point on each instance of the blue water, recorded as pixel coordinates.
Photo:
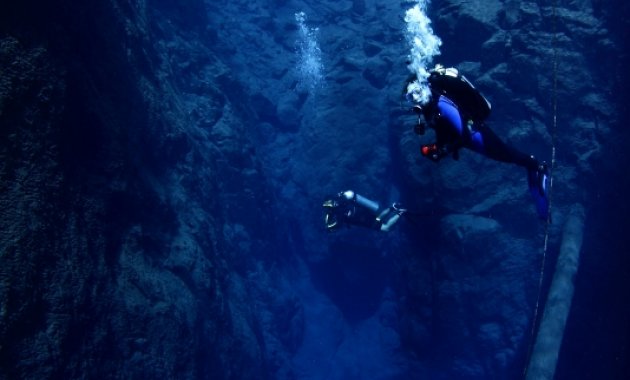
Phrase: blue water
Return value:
(428, 334)
(181, 231)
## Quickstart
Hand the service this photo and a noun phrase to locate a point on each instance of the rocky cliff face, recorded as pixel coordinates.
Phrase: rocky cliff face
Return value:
(132, 202)
(162, 168)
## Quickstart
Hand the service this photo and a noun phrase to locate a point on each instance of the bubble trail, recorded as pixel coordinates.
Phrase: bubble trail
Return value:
(424, 45)
(310, 66)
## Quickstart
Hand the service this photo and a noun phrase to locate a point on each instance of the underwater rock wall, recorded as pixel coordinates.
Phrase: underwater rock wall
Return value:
(469, 271)
(487, 261)
(163, 165)
(132, 202)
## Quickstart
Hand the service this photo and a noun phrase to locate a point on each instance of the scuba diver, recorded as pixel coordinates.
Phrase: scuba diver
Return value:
(456, 112)
(349, 208)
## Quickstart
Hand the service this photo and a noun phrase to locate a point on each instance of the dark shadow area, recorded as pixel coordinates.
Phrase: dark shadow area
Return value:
(596, 338)
(353, 277)
(596, 342)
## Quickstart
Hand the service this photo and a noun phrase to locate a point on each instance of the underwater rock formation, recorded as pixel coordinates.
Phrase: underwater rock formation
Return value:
(132, 205)
(162, 167)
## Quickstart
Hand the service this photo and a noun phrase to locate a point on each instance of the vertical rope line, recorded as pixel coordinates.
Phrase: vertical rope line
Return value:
(554, 124)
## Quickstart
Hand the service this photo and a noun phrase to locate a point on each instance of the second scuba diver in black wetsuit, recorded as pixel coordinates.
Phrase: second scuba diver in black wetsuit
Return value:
(349, 208)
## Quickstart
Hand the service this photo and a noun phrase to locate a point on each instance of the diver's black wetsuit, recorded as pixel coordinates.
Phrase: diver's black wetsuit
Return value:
(454, 131)
(360, 216)
(349, 208)
(496, 149)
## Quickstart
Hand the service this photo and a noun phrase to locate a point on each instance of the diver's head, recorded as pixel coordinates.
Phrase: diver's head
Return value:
(418, 92)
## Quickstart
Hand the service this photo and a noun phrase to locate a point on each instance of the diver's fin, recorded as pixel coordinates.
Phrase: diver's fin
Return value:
(538, 181)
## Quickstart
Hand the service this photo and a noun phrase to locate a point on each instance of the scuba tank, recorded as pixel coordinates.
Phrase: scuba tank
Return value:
(450, 83)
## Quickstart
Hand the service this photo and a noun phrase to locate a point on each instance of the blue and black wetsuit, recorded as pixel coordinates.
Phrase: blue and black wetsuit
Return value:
(453, 131)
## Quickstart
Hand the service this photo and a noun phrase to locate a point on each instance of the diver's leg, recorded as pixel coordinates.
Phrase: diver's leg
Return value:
(486, 142)
(388, 217)
(389, 223)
